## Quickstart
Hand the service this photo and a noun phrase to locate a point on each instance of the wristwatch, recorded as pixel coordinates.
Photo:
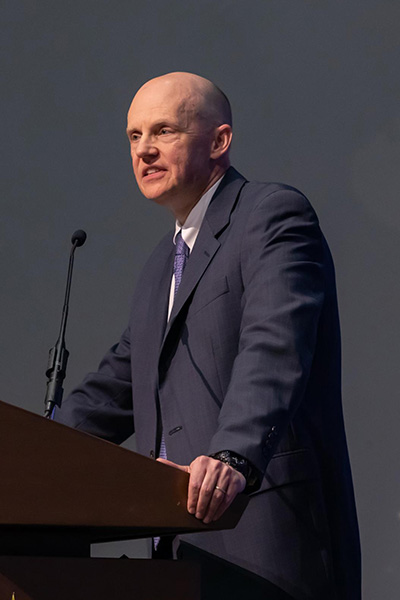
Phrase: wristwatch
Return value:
(242, 465)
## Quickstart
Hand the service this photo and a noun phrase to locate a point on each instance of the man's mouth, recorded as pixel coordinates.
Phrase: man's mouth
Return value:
(152, 171)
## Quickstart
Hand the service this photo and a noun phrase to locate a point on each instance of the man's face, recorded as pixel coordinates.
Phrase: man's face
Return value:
(170, 146)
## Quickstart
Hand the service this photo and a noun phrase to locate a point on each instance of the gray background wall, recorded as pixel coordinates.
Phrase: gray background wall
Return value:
(315, 92)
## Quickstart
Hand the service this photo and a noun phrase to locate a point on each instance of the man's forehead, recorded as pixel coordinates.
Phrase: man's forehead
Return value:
(158, 102)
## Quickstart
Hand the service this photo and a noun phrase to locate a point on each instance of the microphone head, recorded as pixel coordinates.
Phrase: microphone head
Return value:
(79, 237)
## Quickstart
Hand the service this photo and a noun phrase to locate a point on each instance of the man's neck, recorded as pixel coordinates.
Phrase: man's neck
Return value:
(181, 213)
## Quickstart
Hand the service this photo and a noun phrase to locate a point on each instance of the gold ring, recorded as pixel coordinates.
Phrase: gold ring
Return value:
(220, 489)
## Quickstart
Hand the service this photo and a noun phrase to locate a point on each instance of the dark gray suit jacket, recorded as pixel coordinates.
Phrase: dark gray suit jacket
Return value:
(249, 361)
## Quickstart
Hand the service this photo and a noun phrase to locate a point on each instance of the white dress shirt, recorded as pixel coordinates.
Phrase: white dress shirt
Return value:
(190, 230)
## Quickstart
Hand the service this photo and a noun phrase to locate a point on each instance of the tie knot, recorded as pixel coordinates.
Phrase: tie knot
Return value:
(181, 247)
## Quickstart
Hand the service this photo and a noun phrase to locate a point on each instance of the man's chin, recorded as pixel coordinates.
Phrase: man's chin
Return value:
(156, 194)
(148, 192)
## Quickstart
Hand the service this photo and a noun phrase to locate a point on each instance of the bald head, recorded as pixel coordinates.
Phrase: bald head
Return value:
(202, 97)
(179, 127)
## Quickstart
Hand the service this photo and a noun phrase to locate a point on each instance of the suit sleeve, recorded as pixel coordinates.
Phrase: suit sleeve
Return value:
(102, 403)
(283, 292)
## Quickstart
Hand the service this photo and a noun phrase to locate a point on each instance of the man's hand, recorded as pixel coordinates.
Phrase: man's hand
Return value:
(213, 485)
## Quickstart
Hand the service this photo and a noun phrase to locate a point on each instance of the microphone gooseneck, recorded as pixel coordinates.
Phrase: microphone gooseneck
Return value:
(58, 355)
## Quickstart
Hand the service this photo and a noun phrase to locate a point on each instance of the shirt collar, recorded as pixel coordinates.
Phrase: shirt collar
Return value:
(192, 225)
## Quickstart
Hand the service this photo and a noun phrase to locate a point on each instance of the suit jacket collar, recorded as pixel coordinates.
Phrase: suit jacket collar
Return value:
(224, 200)
(215, 221)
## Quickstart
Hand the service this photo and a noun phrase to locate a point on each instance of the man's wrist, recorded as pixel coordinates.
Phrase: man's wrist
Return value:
(243, 466)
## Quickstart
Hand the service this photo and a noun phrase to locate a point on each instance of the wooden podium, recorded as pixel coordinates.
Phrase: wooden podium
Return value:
(62, 490)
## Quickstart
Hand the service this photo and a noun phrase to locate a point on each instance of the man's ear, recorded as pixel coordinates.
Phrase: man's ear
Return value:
(221, 141)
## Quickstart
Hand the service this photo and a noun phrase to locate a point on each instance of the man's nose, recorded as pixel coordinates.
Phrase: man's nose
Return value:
(146, 147)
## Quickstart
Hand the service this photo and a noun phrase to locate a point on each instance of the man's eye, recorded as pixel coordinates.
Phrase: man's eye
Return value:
(134, 137)
(163, 131)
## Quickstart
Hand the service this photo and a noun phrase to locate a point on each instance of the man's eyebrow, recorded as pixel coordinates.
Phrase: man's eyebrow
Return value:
(156, 125)
(130, 130)
(165, 123)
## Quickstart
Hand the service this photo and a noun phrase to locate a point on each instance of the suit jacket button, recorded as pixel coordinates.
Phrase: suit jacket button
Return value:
(151, 453)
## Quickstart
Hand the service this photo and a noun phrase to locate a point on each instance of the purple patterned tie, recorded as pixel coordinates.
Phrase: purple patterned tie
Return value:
(181, 256)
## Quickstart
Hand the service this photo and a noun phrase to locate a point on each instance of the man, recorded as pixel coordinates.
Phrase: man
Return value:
(230, 366)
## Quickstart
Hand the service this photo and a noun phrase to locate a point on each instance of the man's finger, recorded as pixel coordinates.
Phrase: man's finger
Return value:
(197, 472)
(232, 484)
(218, 503)
(226, 488)
(175, 465)
(208, 495)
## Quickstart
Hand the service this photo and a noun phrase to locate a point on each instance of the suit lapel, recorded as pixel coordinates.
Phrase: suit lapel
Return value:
(216, 219)
(158, 301)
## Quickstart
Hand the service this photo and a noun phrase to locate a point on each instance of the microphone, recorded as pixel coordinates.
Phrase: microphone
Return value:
(79, 237)
(58, 355)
